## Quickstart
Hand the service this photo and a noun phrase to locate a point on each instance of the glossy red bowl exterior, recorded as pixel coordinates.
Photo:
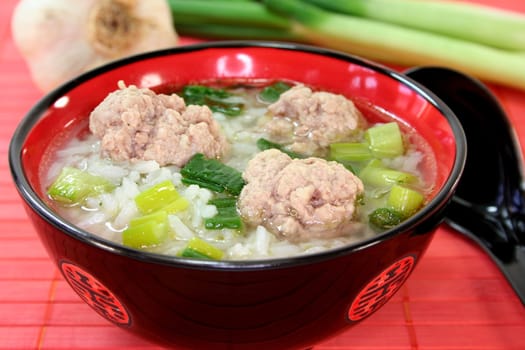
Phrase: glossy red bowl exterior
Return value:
(290, 303)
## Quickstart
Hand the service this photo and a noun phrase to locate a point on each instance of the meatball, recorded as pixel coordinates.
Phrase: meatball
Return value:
(299, 199)
(311, 121)
(135, 123)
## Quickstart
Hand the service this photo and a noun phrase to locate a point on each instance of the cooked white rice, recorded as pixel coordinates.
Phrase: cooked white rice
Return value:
(108, 214)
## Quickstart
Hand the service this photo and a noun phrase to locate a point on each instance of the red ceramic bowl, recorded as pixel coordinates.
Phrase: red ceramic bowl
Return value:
(290, 303)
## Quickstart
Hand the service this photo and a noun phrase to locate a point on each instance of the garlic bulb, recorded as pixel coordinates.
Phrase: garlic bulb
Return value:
(59, 39)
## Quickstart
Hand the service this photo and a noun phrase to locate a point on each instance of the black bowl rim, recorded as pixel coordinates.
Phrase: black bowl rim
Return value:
(36, 204)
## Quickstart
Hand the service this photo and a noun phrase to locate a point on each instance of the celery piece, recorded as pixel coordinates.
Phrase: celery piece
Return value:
(271, 93)
(215, 99)
(156, 197)
(405, 200)
(73, 185)
(264, 144)
(377, 175)
(385, 218)
(212, 174)
(203, 249)
(385, 140)
(350, 151)
(146, 231)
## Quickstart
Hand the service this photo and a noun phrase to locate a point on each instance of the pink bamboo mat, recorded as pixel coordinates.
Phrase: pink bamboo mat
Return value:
(456, 298)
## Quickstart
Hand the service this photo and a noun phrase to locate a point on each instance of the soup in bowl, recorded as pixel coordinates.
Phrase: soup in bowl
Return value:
(237, 194)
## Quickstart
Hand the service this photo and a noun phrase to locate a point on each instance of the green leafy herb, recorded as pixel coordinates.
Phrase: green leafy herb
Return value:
(271, 93)
(264, 144)
(227, 215)
(216, 99)
(385, 218)
(212, 174)
(200, 249)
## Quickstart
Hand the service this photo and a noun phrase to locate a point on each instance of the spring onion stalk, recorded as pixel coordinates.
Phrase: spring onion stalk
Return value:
(242, 14)
(350, 152)
(400, 45)
(179, 204)
(385, 140)
(377, 175)
(146, 231)
(156, 197)
(225, 31)
(470, 22)
(198, 248)
(404, 200)
(73, 185)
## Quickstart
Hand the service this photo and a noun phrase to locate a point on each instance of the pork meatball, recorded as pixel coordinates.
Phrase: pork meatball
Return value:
(299, 199)
(135, 124)
(311, 121)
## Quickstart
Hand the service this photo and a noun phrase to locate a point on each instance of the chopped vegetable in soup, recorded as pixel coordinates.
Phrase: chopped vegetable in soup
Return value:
(245, 171)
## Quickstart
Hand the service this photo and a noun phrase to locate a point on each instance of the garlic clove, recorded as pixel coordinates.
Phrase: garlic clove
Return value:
(60, 39)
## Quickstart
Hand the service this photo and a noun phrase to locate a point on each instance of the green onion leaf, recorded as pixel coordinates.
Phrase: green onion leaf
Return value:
(214, 98)
(198, 248)
(264, 144)
(272, 92)
(212, 174)
(385, 218)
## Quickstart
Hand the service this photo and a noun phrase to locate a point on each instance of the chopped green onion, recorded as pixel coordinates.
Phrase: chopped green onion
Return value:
(377, 175)
(212, 174)
(214, 98)
(156, 197)
(405, 200)
(219, 222)
(264, 144)
(272, 92)
(198, 248)
(73, 185)
(350, 151)
(146, 231)
(385, 218)
(223, 202)
(385, 140)
(226, 217)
